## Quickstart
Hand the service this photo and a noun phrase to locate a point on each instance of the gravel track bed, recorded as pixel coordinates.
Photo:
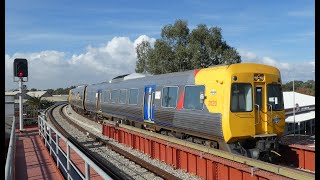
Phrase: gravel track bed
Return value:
(110, 157)
(86, 123)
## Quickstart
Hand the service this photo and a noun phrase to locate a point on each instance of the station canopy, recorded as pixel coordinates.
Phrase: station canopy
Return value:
(301, 117)
(301, 100)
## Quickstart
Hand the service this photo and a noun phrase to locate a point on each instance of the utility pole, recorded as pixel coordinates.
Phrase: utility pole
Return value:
(294, 112)
(21, 103)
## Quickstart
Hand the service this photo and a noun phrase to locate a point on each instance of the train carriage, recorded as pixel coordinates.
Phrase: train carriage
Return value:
(76, 97)
(237, 108)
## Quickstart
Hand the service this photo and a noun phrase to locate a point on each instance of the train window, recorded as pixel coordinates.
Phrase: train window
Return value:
(133, 96)
(89, 96)
(275, 97)
(106, 97)
(169, 96)
(290, 127)
(114, 96)
(123, 96)
(192, 97)
(93, 97)
(241, 97)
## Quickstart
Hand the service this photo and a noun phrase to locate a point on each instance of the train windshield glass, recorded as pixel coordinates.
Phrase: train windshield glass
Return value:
(275, 98)
(241, 97)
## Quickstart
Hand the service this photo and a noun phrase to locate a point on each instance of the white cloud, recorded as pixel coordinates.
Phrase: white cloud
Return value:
(52, 69)
(144, 38)
(289, 70)
(269, 61)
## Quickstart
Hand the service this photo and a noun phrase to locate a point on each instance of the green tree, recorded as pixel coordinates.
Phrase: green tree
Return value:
(44, 104)
(34, 104)
(160, 58)
(143, 51)
(180, 50)
(59, 91)
(50, 91)
(307, 87)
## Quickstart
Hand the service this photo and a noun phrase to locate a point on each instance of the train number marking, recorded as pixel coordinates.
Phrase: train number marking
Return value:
(212, 103)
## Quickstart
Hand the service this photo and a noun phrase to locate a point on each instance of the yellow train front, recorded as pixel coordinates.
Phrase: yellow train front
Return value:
(250, 98)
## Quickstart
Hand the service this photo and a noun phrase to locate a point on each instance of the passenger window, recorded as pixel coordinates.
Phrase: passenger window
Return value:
(89, 96)
(93, 96)
(193, 97)
(114, 96)
(169, 96)
(106, 97)
(133, 96)
(123, 96)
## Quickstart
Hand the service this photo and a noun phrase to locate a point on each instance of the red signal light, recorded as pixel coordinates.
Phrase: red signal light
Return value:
(20, 74)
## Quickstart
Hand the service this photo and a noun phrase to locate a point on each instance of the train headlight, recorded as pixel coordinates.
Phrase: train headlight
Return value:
(256, 77)
(235, 78)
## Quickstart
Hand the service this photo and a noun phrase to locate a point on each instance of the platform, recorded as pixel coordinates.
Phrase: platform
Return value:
(32, 160)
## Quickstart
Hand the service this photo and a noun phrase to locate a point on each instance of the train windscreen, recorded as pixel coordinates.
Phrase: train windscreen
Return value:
(275, 97)
(241, 97)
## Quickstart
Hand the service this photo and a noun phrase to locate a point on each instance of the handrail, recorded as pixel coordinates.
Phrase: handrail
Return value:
(45, 131)
(270, 110)
(258, 114)
(9, 169)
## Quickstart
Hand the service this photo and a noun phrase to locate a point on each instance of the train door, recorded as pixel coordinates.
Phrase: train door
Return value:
(148, 105)
(259, 109)
(98, 100)
(275, 111)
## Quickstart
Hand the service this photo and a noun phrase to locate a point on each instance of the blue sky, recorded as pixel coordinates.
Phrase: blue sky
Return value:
(263, 31)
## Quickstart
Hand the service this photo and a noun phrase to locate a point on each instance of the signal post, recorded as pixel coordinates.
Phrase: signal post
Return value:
(20, 71)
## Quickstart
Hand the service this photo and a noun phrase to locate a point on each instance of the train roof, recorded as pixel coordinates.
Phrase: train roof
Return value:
(147, 77)
(128, 76)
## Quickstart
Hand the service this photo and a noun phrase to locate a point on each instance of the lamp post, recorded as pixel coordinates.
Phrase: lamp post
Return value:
(294, 110)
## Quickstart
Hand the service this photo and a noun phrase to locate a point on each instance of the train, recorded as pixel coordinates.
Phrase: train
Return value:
(237, 108)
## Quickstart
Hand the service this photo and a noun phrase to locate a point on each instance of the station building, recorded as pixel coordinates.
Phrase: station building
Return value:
(300, 113)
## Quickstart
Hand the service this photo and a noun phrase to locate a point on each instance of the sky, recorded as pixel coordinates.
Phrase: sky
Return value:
(72, 42)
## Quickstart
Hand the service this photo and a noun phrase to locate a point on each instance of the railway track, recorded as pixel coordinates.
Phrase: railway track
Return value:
(110, 171)
(114, 172)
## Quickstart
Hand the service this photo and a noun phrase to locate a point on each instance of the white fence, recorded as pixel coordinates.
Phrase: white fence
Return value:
(46, 131)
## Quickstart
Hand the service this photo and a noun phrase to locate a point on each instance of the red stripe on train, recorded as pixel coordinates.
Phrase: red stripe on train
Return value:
(180, 103)
(195, 72)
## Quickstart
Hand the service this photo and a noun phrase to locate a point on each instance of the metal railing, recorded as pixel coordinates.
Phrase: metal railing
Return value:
(45, 131)
(9, 169)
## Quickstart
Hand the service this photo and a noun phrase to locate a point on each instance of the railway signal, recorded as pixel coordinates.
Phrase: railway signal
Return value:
(20, 70)
(20, 67)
